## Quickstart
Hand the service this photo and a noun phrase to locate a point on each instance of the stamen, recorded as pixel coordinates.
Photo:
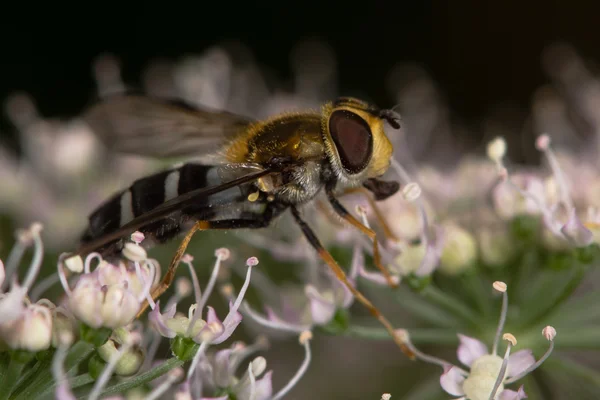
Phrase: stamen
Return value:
(278, 325)
(543, 144)
(197, 313)
(63, 390)
(13, 260)
(137, 237)
(61, 274)
(501, 287)
(549, 333)
(38, 255)
(147, 284)
(496, 150)
(172, 377)
(108, 370)
(221, 254)
(512, 341)
(425, 239)
(252, 261)
(199, 354)
(405, 338)
(134, 252)
(304, 339)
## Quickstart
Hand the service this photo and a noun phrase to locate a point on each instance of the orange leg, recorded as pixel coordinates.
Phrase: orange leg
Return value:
(342, 212)
(167, 280)
(386, 228)
(341, 275)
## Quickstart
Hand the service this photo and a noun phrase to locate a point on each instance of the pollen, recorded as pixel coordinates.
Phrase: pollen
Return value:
(253, 196)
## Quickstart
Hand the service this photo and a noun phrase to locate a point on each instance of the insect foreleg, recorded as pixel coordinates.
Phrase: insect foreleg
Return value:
(342, 212)
(341, 275)
(387, 231)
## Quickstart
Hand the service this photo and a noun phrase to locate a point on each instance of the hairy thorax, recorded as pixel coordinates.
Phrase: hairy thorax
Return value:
(297, 141)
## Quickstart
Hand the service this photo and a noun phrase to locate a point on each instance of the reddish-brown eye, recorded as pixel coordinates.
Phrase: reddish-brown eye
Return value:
(353, 140)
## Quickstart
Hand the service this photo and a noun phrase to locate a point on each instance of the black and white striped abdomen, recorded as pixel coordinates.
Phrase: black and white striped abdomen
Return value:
(148, 193)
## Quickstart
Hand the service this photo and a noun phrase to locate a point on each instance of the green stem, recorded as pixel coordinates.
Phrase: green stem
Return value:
(420, 336)
(78, 353)
(142, 379)
(10, 378)
(450, 303)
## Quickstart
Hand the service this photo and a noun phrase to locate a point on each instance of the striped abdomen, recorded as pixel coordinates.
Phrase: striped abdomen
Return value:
(148, 193)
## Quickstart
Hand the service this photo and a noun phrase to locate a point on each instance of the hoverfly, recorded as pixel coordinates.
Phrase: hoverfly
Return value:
(252, 173)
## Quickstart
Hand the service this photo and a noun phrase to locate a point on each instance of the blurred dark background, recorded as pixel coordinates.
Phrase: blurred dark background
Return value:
(480, 53)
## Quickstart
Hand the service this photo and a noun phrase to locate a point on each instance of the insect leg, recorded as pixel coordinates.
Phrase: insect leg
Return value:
(387, 231)
(342, 212)
(167, 280)
(341, 275)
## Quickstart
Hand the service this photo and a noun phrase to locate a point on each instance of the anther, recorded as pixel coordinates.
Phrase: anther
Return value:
(500, 286)
(509, 337)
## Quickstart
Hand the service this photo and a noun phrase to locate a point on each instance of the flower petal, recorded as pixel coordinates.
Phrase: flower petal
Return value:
(470, 349)
(575, 231)
(222, 374)
(233, 320)
(508, 394)
(519, 361)
(264, 387)
(322, 310)
(158, 321)
(11, 304)
(452, 380)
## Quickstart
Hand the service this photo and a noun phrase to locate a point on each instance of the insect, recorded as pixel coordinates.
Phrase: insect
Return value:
(249, 173)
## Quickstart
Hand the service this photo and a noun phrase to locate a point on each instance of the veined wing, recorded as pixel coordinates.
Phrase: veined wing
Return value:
(136, 124)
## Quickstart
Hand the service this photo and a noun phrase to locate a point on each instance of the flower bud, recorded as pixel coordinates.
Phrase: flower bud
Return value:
(103, 306)
(459, 252)
(496, 246)
(31, 331)
(128, 364)
(409, 259)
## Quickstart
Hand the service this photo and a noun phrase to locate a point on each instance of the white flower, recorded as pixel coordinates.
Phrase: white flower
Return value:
(111, 295)
(489, 372)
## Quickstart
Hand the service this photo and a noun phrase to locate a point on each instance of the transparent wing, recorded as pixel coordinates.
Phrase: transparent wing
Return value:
(141, 125)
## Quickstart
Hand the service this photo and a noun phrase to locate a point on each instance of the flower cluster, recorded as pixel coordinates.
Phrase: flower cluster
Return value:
(445, 238)
(96, 328)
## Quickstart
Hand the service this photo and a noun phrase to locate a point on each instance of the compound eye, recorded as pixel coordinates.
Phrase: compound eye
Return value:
(353, 139)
